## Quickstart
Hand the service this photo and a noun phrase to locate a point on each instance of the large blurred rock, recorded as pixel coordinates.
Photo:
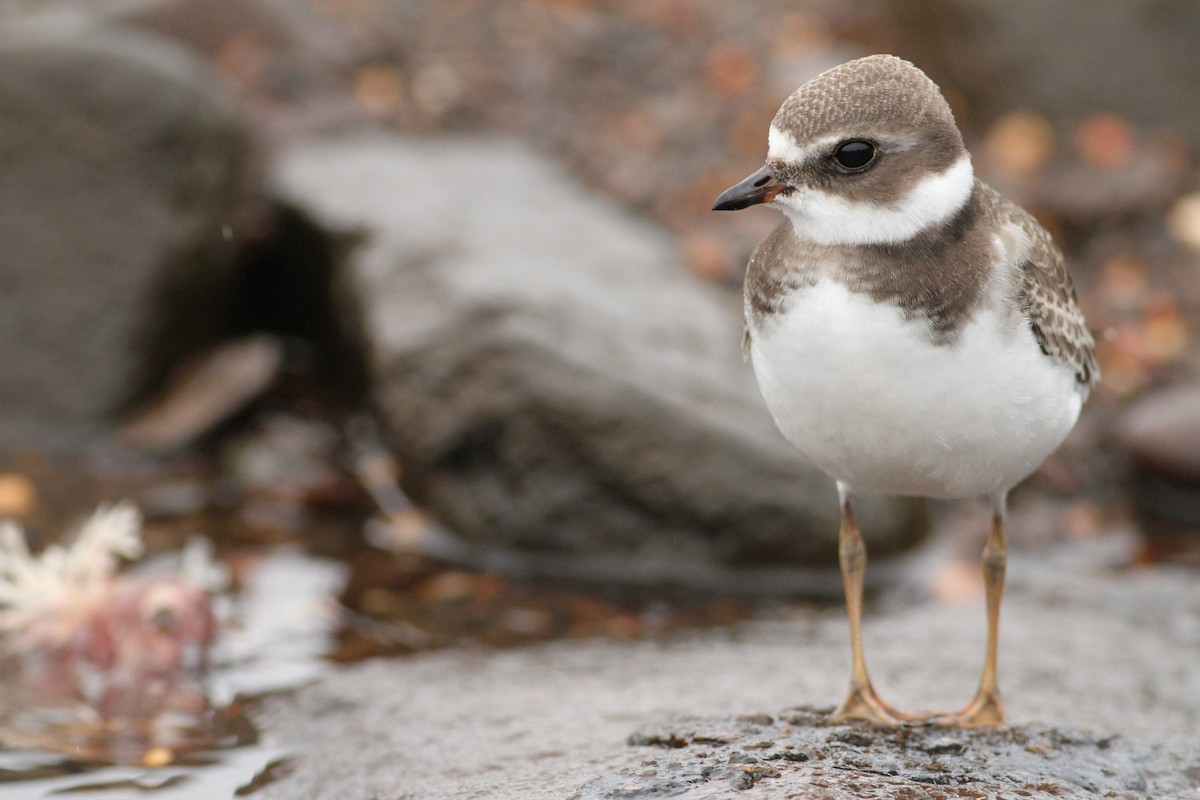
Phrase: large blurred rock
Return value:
(124, 173)
(553, 379)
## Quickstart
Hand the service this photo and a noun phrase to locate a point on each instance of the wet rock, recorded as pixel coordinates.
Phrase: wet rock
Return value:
(804, 755)
(122, 200)
(552, 378)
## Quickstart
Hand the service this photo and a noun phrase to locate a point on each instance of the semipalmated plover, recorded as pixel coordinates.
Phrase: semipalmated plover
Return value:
(913, 333)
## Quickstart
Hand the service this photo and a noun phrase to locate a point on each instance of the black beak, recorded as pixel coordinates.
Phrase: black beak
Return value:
(761, 187)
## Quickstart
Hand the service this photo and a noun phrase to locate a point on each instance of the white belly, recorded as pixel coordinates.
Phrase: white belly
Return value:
(866, 396)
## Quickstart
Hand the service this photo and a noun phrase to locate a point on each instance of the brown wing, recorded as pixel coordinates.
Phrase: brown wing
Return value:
(1047, 298)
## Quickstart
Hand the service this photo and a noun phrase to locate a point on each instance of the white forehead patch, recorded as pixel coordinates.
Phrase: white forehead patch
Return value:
(782, 146)
(829, 219)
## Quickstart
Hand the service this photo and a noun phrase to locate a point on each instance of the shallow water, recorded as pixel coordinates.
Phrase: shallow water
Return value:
(277, 630)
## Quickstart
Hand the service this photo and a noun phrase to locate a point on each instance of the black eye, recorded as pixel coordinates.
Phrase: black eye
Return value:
(855, 154)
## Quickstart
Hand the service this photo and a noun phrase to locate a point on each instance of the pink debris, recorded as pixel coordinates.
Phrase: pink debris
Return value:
(95, 664)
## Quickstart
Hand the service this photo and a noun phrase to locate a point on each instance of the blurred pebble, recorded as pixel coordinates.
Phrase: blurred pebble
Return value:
(158, 757)
(174, 499)
(746, 131)
(18, 496)
(707, 255)
(1121, 361)
(408, 530)
(1082, 520)
(642, 129)
(732, 69)
(380, 89)
(1105, 141)
(528, 621)
(675, 17)
(956, 582)
(623, 626)
(244, 57)
(437, 88)
(1020, 143)
(1183, 221)
(796, 33)
(452, 586)
(1123, 281)
(1165, 329)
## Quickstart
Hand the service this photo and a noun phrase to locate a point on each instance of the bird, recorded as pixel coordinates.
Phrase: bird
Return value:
(912, 332)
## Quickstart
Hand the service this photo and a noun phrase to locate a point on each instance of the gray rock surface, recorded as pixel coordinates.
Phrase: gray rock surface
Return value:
(1082, 648)
(552, 377)
(802, 751)
(125, 171)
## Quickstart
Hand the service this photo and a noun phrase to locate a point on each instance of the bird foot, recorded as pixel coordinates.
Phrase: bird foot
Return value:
(862, 703)
(985, 711)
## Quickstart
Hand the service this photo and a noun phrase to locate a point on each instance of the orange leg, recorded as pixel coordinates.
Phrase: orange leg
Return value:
(986, 710)
(862, 702)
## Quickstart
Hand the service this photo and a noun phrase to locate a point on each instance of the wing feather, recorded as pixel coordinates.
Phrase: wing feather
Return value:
(1047, 298)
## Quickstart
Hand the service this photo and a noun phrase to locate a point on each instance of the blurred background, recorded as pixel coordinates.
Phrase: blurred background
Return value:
(416, 311)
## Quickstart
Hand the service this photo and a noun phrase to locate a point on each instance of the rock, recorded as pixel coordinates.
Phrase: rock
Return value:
(1160, 436)
(1161, 433)
(802, 754)
(1084, 647)
(555, 382)
(123, 195)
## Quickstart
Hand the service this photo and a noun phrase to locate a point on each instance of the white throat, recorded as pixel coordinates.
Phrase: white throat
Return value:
(830, 219)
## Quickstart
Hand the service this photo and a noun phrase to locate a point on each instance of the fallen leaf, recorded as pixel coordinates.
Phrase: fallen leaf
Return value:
(206, 391)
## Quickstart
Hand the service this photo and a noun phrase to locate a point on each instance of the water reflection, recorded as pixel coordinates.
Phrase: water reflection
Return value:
(185, 730)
